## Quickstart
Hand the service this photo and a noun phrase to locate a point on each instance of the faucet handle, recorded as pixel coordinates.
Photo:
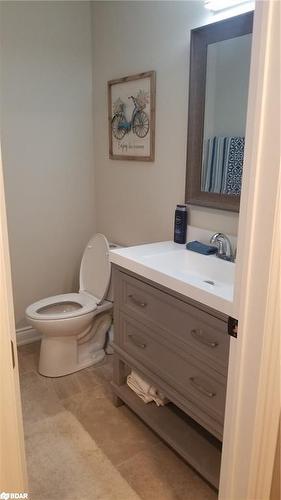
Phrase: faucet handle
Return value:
(216, 237)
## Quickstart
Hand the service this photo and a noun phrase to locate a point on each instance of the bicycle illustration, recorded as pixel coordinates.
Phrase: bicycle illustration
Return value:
(138, 124)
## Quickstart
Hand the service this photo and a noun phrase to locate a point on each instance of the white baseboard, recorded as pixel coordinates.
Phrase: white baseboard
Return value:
(26, 335)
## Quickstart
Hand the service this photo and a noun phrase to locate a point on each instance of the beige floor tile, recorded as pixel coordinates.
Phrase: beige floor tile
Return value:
(84, 380)
(103, 370)
(159, 473)
(64, 463)
(28, 357)
(70, 385)
(38, 401)
(30, 348)
(32, 385)
(118, 432)
(27, 362)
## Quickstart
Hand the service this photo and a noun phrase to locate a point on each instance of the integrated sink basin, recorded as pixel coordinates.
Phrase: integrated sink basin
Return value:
(206, 279)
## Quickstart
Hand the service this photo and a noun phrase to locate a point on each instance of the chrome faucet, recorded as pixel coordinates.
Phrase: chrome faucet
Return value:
(221, 241)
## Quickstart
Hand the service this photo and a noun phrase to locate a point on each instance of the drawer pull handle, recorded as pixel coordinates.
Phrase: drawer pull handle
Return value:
(200, 388)
(197, 335)
(136, 342)
(136, 301)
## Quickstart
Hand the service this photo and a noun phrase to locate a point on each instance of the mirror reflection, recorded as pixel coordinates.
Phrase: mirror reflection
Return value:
(226, 96)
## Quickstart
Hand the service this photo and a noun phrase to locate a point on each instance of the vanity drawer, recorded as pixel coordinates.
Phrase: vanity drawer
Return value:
(191, 329)
(202, 386)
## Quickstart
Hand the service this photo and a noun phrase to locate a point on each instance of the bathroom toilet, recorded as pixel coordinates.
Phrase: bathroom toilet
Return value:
(74, 325)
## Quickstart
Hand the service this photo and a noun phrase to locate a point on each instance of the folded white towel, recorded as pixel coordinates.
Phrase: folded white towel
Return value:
(145, 390)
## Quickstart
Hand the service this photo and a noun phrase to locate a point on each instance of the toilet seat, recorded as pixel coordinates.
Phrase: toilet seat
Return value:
(85, 304)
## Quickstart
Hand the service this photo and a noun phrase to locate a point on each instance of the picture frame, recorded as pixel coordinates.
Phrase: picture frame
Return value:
(131, 117)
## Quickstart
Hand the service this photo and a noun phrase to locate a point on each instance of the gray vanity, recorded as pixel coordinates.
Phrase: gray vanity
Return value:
(181, 346)
(171, 306)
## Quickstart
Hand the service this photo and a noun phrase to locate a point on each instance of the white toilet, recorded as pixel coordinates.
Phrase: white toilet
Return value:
(74, 325)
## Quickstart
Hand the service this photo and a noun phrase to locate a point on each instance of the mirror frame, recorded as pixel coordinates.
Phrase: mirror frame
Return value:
(200, 39)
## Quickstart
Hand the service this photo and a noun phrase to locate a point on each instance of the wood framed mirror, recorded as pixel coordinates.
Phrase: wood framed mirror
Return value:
(220, 55)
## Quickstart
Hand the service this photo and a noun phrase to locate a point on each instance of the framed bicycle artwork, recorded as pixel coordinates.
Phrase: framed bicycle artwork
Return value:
(131, 117)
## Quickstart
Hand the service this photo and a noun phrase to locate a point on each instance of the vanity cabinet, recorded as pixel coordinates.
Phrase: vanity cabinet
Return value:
(181, 347)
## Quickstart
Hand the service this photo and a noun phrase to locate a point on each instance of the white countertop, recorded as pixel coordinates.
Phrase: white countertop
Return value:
(173, 266)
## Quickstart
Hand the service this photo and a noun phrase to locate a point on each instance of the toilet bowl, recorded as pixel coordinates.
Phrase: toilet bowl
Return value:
(74, 325)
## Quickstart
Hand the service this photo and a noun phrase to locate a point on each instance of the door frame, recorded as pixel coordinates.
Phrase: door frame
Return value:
(13, 475)
(253, 389)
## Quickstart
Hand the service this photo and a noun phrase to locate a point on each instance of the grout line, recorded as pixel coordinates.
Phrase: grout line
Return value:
(151, 447)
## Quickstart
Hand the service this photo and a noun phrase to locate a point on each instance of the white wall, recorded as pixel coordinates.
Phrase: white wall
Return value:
(136, 201)
(47, 143)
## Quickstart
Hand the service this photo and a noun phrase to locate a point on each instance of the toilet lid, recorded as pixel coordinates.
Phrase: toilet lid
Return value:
(95, 267)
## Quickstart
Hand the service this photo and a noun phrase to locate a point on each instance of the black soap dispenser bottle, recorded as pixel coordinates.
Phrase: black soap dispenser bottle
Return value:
(180, 224)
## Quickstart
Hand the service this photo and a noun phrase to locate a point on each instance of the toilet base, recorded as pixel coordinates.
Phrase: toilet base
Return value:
(64, 354)
(93, 359)
(58, 356)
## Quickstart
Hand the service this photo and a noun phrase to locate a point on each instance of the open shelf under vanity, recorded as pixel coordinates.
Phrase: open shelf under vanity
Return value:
(196, 445)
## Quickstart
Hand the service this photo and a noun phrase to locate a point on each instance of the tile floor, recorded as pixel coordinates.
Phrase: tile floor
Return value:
(150, 467)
